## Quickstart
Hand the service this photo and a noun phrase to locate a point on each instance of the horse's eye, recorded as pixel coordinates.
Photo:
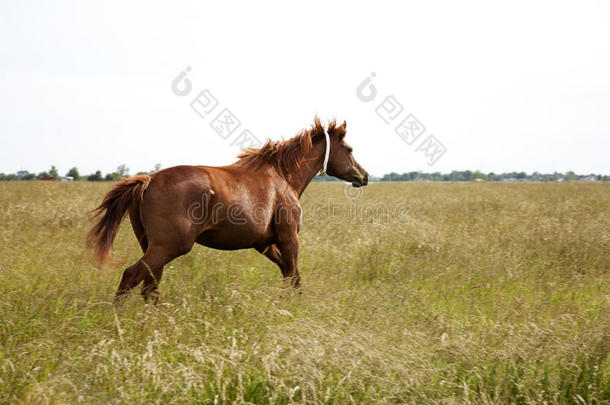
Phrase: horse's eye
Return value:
(349, 150)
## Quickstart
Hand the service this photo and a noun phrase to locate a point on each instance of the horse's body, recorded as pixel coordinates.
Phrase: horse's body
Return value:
(253, 203)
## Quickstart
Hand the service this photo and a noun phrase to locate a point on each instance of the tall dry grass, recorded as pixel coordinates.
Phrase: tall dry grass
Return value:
(413, 293)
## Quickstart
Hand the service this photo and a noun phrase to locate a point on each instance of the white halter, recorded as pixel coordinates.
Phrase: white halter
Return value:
(326, 154)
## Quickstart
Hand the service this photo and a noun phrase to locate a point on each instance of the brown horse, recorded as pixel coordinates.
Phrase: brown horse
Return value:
(253, 203)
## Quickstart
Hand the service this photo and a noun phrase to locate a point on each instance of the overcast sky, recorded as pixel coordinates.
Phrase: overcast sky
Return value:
(522, 85)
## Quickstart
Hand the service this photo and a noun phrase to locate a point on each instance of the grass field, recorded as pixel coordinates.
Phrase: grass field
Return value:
(412, 293)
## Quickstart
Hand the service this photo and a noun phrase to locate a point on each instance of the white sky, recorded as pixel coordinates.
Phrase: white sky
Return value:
(521, 85)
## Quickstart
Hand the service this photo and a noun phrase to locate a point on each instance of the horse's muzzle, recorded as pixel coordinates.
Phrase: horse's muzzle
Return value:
(361, 181)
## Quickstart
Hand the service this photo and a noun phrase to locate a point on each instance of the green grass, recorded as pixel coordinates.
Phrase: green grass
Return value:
(413, 293)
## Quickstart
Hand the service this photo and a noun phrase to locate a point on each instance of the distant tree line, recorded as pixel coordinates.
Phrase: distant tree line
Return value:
(73, 174)
(464, 175)
(468, 175)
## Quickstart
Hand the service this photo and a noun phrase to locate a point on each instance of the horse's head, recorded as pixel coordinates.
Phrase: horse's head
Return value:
(341, 162)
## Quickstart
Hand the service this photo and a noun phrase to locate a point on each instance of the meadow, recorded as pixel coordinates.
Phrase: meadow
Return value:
(412, 293)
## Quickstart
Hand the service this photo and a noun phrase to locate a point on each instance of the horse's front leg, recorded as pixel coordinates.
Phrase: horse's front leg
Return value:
(272, 253)
(288, 247)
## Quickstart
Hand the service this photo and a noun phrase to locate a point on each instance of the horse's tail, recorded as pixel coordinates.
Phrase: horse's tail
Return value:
(112, 210)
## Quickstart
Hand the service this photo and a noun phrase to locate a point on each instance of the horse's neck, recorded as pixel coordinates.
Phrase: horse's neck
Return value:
(312, 164)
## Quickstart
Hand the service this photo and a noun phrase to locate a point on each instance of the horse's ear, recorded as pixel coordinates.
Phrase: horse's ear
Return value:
(342, 130)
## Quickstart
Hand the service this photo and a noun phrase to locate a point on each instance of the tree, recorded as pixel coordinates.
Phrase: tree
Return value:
(25, 175)
(478, 175)
(8, 177)
(97, 176)
(123, 170)
(114, 176)
(157, 167)
(53, 172)
(73, 173)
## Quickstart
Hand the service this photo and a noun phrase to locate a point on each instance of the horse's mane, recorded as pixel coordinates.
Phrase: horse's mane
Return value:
(288, 155)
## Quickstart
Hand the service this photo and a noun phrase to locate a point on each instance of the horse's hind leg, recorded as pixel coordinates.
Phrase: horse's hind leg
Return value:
(150, 285)
(152, 277)
(149, 267)
(132, 276)
(138, 228)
